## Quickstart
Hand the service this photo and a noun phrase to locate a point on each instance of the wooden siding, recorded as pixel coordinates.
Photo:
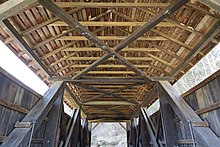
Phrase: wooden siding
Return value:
(204, 99)
(16, 99)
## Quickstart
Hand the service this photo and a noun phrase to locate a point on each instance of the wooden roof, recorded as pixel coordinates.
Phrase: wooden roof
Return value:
(44, 40)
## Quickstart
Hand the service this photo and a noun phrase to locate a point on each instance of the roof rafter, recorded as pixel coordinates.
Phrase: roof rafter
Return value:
(107, 23)
(149, 25)
(12, 7)
(65, 46)
(200, 45)
(8, 27)
(86, 33)
(108, 4)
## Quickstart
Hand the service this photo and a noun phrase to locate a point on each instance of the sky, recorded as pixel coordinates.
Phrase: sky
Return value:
(12, 64)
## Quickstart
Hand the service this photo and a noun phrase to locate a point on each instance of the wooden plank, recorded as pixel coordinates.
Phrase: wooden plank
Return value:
(20, 136)
(202, 43)
(9, 28)
(172, 39)
(56, 37)
(82, 38)
(12, 7)
(208, 108)
(23, 125)
(108, 4)
(54, 19)
(170, 20)
(149, 25)
(45, 56)
(13, 106)
(203, 134)
(106, 23)
(185, 141)
(34, 140)
(52, 126)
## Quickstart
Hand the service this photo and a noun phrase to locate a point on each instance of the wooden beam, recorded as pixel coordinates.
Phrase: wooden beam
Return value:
(75, 99)
(109, 80)
(107, 103)
(12, 7)
(105, 92)
(72, 128)
(106, 23)
(108, 66)
(108, 4)
(113, 91)
(111, 109)
(52, 126)
(75, 38)
(172, 39)
(170, 20)
(203, 134)
(97, 17)
(150, 97)
(136, 49)
(202, 43)
(45, 56)
(169, 128)
(13, 106)
(149, 25)
(20, 136)
(99, 80)
(149, 128)
(86, 33)
(51, 20)
(127, 58)
(213, 4)
(56, 37)
(9, 28)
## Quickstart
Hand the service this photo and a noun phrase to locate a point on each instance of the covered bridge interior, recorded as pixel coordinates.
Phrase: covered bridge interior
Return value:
(109, 60)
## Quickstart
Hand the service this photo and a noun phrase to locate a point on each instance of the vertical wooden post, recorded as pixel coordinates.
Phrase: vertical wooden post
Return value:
(128, 128)
(19, 137)
(169, 129)
(145, 138)
(52, 126)
(149, 128)
(203, 134)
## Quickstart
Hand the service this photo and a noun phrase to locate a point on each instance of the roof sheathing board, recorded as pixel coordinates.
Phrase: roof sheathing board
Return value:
(159, 63)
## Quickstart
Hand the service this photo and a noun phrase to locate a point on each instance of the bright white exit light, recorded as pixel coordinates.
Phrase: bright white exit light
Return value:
(12, 64)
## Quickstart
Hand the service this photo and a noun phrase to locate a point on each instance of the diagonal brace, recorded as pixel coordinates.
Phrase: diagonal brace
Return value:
(106, 92)
(150, 24)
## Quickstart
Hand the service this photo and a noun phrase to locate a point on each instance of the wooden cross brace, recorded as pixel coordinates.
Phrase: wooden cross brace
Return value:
(111, 52)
